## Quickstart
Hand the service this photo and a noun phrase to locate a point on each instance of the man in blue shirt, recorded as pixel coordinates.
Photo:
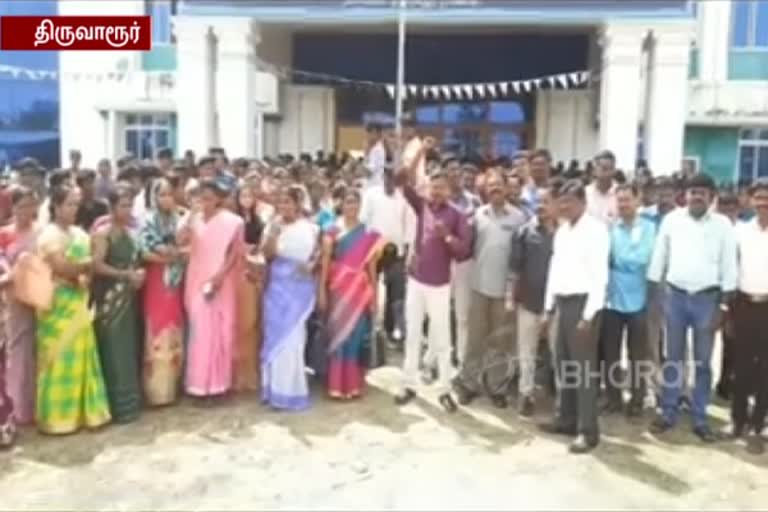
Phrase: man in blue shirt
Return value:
(632, 240)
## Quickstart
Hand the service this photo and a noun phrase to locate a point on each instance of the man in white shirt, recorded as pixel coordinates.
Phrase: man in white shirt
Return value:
(578, 276)
(376, 155)
(695, 258)
(414, 152)
(750, 313)
(385, 211)
(601, 193)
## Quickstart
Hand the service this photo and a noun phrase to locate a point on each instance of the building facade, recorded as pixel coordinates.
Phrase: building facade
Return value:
(29, 108)
(671, 79)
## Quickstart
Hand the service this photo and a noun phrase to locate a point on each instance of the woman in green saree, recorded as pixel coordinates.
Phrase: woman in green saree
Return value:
(70, 385)
(117, 279)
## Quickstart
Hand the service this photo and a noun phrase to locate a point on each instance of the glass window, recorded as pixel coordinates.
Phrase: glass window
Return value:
(746, 163)
(161, 11)
(506, 112)
(145, 133)
(741, 21)
(761, 24)
(747, 134)
(762, 162)
(505, 143)
(428, 115)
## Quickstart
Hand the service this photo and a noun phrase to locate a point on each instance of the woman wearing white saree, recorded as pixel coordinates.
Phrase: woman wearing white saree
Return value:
(289, 299)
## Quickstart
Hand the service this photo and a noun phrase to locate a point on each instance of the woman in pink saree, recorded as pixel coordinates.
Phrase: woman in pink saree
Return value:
(20, 323)
(215, 237)
(347, 293)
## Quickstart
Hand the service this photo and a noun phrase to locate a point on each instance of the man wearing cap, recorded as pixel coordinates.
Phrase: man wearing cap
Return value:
(696, 258)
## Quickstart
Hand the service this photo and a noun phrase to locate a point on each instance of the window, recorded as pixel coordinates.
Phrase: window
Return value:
(161, 12)
(753, 154)
(750, 24)
(145, 133)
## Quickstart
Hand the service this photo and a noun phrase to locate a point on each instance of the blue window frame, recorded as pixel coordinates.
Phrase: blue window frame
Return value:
(161, 11)
(749, 27)
(753, 154)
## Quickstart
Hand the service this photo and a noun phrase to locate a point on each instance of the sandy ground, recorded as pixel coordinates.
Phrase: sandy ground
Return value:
(371, 455)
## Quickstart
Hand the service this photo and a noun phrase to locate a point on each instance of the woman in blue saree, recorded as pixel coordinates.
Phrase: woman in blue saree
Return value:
(289, 299)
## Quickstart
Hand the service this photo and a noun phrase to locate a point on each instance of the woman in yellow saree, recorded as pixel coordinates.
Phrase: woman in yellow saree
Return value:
(70, 385)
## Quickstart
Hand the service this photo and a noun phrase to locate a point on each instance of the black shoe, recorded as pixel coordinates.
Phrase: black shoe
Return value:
(634, 410)
(557, 429)
(755, 445)
(705, 434)
(660, 425)
(499, 401)
(465, 395)
(447, 402)
(527, 407)
(612, 407)
(583, 444)
(405, 397)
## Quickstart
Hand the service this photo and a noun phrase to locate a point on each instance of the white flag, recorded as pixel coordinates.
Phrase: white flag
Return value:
(563, 81)
(413, 89)
(551, 81)
(527, 85)
(457, 91)
(537, 83)
(492, 89)
(504, 87)
(446, 92)
(584, 77)
(435, 92)
(391, 91)
(516, 86)
(574, 78)
(480, 88)
(424, 92)
(468, 90)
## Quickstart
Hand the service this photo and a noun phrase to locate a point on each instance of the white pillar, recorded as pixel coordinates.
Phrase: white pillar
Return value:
(236, 85)
(194, 87)
(668, 97)
(712, 39)
(620, 91)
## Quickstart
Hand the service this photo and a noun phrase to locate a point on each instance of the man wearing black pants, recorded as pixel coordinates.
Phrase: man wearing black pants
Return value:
(576, 286)
(632, 239)
(750, 311)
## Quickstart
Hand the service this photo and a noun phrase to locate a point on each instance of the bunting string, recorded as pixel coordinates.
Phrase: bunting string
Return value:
(480, 90)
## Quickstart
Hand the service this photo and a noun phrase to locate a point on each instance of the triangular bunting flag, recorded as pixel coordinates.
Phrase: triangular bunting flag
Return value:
(584, 76)
(424, 91)
(391, 90)
(527, 85)
(551, 81)
(457, 91)
(537, 83)
(492, 89)
(480, 88)
(574, 78)
(504, 87)
(468, 91)
(563, 79)
(413, 90)
(516, 87)
(446, 92)
(435, 92)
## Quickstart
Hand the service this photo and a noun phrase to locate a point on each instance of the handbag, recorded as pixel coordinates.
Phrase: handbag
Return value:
(374, 350)
(33, 282)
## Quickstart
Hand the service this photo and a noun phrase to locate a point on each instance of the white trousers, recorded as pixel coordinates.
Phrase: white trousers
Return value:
(528, 335)
(462, 298)
(423, 300)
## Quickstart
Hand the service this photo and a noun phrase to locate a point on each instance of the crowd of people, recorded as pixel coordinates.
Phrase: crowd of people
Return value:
(126, 288)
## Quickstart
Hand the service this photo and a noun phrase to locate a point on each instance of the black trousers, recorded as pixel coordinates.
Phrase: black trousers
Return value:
(750, 357)
(393, 268)
(614, 324)
(576, 366)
